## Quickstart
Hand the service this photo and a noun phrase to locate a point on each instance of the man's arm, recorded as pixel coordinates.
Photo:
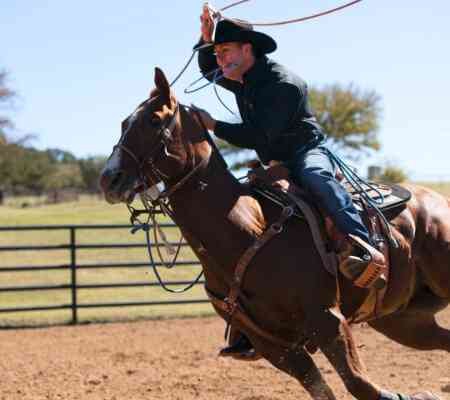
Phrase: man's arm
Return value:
(277, 108)
(241, 135)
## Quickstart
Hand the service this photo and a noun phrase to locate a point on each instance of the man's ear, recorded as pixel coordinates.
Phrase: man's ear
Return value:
(248, 48)
(162, 85)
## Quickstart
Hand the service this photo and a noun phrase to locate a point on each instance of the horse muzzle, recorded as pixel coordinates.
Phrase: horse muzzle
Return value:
(117, 186)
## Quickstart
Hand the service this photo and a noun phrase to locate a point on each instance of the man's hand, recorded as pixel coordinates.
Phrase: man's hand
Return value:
(207, 24)
(208, 121)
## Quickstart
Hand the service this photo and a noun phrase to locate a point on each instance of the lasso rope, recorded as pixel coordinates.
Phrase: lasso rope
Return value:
(217, 14)
(278, 23)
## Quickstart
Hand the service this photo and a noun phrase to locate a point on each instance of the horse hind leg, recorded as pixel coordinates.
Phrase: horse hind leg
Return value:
(337, 344)
(416, 326)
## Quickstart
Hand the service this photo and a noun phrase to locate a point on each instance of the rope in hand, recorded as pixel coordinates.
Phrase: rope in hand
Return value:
(218, 14)
(206, 45)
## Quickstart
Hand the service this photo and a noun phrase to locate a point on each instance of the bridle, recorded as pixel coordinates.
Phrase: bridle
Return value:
(164, 137)
(158, 204)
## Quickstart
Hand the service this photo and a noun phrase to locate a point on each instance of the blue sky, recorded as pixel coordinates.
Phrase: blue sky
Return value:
(81, 67)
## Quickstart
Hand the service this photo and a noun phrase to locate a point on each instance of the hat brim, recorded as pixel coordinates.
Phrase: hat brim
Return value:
(264, 43)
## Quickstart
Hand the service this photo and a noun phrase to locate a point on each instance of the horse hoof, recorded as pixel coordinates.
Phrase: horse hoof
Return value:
(417, 396)
(424, 396)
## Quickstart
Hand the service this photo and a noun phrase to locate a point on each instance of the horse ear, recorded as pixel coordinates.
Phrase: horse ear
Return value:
(162, 84)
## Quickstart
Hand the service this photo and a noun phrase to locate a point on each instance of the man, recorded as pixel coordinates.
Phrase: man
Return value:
(278, 124)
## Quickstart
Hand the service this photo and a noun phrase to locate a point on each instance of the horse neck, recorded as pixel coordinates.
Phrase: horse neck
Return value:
(202, 212)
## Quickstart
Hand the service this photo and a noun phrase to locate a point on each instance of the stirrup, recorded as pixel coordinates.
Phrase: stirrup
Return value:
(364, 271)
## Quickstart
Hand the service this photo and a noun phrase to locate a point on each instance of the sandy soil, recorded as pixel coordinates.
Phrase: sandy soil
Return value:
(176, 359)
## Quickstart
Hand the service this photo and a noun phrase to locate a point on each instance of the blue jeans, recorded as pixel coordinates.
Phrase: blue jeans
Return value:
(315, 172)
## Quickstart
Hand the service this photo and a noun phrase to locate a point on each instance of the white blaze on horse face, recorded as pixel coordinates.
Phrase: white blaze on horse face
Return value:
(113, 162)
(115, 159)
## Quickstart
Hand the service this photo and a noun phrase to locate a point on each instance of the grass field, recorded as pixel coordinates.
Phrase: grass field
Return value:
(441, 187)
(86, 211)
(90, 210)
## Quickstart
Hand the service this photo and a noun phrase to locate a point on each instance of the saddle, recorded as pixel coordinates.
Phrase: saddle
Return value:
(274, 184)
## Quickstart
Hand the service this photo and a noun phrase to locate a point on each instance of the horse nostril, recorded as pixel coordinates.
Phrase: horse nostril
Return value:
(115, 179)
(109, 179)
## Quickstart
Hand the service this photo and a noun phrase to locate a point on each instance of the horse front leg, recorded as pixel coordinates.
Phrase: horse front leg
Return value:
(299, 364)
(341, 352)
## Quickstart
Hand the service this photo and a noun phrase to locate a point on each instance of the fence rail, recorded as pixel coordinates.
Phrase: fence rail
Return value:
(73, 266)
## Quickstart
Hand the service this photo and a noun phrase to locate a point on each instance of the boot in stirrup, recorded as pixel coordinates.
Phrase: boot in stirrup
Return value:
(242, 349)
(365, 266)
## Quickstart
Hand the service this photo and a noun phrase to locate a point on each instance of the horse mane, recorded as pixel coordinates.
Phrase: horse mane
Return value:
(155, 92)
(216, 150)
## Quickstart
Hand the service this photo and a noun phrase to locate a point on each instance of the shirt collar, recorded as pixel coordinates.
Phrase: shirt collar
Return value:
(256, 72)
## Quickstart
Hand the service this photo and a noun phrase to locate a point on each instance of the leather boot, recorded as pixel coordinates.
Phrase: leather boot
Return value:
(241, 349)
(365, 266)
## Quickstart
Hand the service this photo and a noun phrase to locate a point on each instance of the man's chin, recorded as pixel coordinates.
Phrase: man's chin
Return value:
(231, 76)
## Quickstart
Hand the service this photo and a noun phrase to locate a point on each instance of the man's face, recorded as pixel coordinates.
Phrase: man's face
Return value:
(234, 59)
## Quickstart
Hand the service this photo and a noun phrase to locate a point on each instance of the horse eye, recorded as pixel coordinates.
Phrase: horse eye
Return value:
(155, 122)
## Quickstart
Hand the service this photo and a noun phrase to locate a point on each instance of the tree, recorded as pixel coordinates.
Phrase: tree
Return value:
(6, 97)
(349, 116)
(24, 169)
(64, 176)
(61, 156)
(5, 123)
(392, 174)
(90, 169)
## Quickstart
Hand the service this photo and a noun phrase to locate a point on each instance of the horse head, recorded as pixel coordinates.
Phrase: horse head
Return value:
(160, 142)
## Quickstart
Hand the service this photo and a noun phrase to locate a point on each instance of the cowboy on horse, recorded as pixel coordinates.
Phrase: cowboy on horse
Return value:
(278, 123)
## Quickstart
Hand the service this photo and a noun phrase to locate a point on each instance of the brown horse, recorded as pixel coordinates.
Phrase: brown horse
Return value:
(286, 289)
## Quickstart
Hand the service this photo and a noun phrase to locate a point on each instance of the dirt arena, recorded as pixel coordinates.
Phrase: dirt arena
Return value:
(176, 359)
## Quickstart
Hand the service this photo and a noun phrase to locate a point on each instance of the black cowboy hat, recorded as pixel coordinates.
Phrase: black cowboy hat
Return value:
(242, 31)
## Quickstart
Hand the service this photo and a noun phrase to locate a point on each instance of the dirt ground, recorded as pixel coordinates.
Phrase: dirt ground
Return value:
(176, 359)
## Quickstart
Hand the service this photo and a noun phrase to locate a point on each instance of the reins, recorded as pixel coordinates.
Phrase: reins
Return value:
(155, 201)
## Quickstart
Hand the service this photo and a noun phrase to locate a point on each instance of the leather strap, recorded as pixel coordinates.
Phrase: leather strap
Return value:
(329, 259)
(241, 317)
(248, 255)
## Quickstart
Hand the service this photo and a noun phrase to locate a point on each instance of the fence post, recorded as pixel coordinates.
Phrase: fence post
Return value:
(73, 273)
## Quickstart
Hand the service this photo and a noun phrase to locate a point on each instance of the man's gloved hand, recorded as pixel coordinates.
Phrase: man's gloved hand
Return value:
(208, 121)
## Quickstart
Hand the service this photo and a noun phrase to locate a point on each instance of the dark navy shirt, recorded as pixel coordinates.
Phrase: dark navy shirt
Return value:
(277, 120)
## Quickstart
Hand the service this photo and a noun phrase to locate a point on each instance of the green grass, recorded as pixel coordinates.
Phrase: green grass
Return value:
(441, 187)
(87, 211)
